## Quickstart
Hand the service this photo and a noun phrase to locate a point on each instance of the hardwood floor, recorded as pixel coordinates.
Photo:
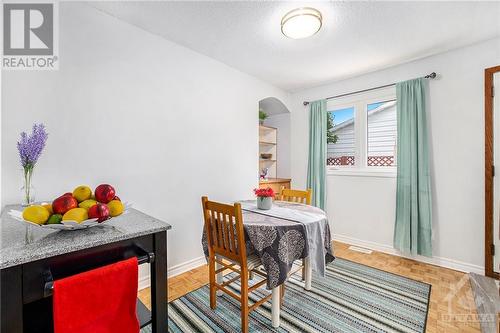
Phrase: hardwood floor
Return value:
(452, 308)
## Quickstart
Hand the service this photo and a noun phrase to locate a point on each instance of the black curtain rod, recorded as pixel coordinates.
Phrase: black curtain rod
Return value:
(429, 76)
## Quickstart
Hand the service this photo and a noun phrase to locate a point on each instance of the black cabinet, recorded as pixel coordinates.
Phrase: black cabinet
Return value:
(26, 304)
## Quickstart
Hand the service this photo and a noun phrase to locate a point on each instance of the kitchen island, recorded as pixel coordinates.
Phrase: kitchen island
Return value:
(31, 258)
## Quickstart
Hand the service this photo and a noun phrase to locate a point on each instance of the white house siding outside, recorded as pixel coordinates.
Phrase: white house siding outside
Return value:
(382, 134)
(342, 151)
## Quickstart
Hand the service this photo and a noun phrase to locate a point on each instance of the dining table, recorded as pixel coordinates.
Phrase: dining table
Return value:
(280, 236)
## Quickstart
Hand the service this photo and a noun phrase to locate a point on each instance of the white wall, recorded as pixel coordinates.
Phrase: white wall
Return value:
(164, 124)
(282, 123)
(357, 210)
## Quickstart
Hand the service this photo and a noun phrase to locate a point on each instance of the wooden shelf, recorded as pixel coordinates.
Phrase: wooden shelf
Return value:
(274, 181)
(267, 143)
(267, 128)
(264, 160)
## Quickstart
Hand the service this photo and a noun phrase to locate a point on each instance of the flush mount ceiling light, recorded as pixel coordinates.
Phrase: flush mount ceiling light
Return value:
(301, 23)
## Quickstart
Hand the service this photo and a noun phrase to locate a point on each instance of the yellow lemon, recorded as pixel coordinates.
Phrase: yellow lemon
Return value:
(82, 193)
(48, 207)
(76, 214)
(36, 214)
(115, 207)
(87, 204)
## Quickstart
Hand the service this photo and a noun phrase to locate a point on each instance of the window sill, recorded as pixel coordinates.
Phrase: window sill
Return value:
(390, 172)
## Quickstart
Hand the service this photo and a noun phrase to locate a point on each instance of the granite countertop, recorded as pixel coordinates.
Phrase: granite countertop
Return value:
(21, 243)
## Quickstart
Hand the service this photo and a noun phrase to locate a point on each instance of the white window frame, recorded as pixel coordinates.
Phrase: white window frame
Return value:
(360, 103)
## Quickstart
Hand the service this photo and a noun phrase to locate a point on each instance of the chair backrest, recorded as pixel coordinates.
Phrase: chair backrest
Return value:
(299, 196)
(224, 228)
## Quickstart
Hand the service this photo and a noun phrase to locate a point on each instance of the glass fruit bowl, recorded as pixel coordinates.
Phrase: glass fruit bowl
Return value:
(67, 224)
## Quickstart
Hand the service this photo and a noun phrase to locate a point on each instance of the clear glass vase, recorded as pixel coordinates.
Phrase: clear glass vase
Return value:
(28, 191)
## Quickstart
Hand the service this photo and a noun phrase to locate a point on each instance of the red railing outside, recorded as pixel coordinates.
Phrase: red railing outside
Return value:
(380, 160)
(341, 160)
(372, 160)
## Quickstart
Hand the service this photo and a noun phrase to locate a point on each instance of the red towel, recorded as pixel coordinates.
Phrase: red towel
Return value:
(102, 300)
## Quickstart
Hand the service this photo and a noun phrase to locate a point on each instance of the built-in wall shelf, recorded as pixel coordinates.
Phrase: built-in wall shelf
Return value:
(267, 143)
(267, 128)
(268, 139)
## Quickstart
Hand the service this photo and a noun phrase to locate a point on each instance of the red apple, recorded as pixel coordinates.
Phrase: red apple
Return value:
(64, 203)
(99, 211)
(117, 198)
(67, 193)
(104, 193)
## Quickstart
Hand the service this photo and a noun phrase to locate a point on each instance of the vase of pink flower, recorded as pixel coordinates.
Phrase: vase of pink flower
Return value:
(264, 198)
(30, 148)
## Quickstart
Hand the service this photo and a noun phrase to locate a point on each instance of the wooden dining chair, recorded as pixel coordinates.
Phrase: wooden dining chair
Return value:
(304, 197)
(299, 196)
(226, 247)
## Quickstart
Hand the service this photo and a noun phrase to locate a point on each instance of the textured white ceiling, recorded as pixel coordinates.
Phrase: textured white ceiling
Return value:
(356, 37)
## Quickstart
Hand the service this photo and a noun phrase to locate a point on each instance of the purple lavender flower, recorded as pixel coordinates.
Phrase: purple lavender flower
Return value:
(30, 147)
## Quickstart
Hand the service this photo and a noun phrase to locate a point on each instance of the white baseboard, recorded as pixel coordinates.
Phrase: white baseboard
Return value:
(186, 266)
(144, 281)
(438, 261)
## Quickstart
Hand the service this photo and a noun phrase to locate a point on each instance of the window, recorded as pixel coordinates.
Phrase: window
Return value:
(362, 131)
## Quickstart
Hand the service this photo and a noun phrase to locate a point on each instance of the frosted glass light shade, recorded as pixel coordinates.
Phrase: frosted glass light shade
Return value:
(301, 23)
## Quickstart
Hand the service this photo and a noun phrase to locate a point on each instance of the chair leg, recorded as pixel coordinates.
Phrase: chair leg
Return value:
(219, 278)
(251, 275)
(213, 290)
(282, 293)
(303, 270)
(244, 301)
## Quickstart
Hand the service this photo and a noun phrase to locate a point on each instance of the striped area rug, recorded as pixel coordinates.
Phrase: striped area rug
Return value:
(350, 298)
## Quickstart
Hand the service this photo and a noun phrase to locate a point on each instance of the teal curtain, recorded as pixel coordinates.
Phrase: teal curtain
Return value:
(316, 167)
(413, 229)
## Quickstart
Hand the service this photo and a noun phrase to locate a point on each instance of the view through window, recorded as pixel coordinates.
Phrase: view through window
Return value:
(340, 137)
(382, 133)
(362, 131)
